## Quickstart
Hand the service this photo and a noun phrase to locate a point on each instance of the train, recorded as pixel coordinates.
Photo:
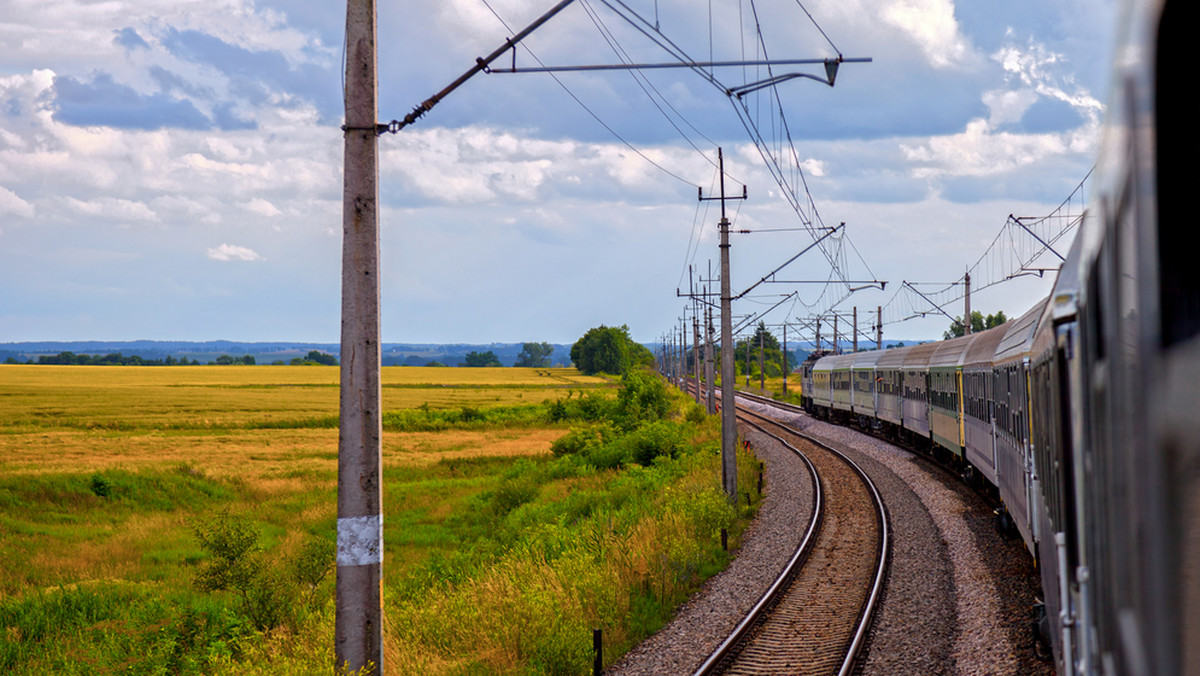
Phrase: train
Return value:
(1083, 414)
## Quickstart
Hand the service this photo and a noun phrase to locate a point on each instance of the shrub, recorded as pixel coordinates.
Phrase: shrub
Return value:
(643, 398)
(581, 441)
(270, 595)
(657, 439)
(101, 487)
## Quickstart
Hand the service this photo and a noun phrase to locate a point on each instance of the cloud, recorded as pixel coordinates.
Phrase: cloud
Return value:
(230, 252)
(1039, 93)
(117, 210)
(13, 205)
(1034, 69)
(932, 26)
(262, 207)
(1008, 106)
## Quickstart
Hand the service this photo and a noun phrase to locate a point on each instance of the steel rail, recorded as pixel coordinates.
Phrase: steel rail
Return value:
(771, 595)
(866, 615)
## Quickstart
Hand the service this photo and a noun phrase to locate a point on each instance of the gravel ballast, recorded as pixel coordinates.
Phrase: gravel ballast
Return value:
(958, 595)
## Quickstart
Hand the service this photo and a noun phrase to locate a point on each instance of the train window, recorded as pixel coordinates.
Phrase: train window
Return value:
(1177, 143)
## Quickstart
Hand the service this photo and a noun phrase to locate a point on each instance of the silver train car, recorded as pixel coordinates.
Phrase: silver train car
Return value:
(1083, 415)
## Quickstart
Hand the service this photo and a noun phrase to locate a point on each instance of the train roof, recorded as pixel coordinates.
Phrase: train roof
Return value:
(918, 355)
(893, 357)
(983, 348)
(842, 361)
(951, 352)
(1018, 339)
(867, 360)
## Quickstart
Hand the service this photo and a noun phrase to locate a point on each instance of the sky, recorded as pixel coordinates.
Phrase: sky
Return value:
(171, 169)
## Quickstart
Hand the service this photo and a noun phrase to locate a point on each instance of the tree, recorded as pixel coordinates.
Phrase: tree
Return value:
(478, 359)
(978, 323)
(322, 358)
(534, 355)
(772, 353)
(609, 350)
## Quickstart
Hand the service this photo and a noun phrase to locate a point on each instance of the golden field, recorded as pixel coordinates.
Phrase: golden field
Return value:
(67, 423)
(107, 473)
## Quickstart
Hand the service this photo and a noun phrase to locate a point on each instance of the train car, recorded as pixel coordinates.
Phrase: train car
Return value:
(822, 394)
(979, 428)
(915, 403)
(806, 379)
(1132, 570)
(889, 375)
(1054, 364)
(840, 382)
(866, 396)
(1010, 388)
(945, 393)
(1087, 414)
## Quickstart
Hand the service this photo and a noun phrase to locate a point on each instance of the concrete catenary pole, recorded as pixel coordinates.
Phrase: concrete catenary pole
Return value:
(762, 372)
(709, 370)
(854, 330)
(358, 626)
(747, 362)
(967, 315)
(728, 411)
(785, 359)
(696, 351)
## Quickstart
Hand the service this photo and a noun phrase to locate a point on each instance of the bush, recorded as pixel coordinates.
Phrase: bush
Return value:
(581, 441)
(270, 595)
(643, 398)
(657, 439)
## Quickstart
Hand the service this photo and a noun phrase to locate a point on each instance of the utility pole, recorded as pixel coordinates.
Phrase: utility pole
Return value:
(967, 316)
(696, 351)
(878, 327)
(728, 411)
(358, 626)
(683, 365)
(785, 359)
(854, 329)
(762, 373)
(747, 363)
(358, 630)
(709, 381)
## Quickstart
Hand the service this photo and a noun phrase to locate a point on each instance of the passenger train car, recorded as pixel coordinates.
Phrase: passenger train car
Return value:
(1084, 413)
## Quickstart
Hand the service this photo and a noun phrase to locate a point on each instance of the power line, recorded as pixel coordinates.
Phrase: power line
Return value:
(589, 111)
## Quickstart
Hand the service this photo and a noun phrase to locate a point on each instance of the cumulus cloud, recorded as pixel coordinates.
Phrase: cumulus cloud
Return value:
(1008, 106)
(262, 207)
(13, 205)
(112, 209)
(1036, 71)
(932, 26)
(230, 252)
(1033, 75)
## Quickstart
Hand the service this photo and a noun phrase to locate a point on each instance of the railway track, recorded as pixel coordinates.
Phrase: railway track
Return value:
(814, 618)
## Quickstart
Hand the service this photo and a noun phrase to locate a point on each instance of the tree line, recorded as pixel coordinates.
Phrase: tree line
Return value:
(118, 359)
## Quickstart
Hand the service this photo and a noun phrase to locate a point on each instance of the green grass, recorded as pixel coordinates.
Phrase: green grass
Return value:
(102, 487)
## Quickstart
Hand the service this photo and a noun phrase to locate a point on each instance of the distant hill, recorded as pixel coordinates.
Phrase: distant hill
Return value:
(393, 354)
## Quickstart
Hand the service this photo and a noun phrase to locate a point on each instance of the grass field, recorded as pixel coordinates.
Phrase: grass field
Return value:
(109, 474)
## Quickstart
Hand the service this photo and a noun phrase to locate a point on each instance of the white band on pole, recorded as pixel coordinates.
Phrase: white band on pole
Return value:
(360, 540)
